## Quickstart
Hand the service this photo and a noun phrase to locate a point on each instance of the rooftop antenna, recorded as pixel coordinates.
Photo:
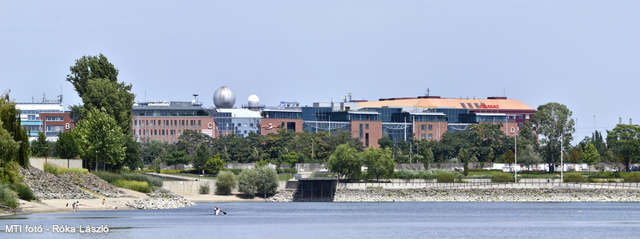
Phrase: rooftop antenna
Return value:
(427, 91)
(350, 95)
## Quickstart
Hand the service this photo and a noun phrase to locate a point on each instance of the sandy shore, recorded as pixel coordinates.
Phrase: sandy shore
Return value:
(60, 205)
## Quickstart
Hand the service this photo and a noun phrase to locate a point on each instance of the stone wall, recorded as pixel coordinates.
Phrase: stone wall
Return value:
(477, 195)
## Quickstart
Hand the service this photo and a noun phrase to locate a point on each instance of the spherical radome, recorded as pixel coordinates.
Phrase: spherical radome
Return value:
(224, 98)
(254, 100)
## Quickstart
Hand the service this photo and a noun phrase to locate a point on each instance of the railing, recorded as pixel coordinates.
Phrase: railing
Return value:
(481, 184)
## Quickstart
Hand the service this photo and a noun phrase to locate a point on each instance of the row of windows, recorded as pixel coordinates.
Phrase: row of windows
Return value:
(159, 123)
(162, 133)
(54, 118)
(424, 136)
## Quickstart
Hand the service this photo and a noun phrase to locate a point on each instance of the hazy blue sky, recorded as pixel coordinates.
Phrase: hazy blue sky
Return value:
(584, 54)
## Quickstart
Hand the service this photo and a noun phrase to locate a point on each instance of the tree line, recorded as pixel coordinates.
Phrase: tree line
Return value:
(104, 140)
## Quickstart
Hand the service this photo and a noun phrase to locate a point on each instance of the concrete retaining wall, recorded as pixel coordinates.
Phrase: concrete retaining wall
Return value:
(193, 187)
(63, 163)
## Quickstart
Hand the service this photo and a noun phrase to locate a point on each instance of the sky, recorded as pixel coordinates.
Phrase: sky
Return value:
(583, 54)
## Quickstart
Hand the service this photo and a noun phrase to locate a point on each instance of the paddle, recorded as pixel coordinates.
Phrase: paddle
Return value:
(225, 213)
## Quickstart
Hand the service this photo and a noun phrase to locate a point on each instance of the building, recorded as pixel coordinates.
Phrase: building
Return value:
(46, 116)
(166, 121)
(423, 117)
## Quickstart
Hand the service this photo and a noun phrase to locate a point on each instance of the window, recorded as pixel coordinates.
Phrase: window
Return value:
(470, 106)
(422, 127)
(366, 126)
(430, 136)
(430, 127)
(423, 136)
(463, 105)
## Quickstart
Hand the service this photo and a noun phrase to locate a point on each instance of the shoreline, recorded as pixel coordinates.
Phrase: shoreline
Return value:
(354, 195)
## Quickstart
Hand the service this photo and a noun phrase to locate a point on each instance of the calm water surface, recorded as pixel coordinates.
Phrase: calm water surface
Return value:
(350, 220)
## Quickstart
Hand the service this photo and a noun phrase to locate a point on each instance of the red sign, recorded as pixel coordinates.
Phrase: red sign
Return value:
(489, 106)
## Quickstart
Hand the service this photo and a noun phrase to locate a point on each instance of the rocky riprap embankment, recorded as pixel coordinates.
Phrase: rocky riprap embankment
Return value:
(478, 195)
(48, 186)
(160, 199)
(67, 185)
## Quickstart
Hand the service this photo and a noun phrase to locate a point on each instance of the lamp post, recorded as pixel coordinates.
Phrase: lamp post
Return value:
(515, 157)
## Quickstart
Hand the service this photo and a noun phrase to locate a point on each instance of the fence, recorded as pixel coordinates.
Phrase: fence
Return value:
(484, 183)
(63, 163)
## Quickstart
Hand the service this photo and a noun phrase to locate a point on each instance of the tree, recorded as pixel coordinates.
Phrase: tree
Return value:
(553, 122)
(40, 146)
(214, 164)
(91, 67)
(345, 161)
(150, 150)
(465, 157)
(8, 152)
(248, 181)
(591, 155)
(201, 155)
(66, 146)
(95, 80)
(624, 142)
(378, 161)
(176, 157)
(267, 182)
(10, 116)
(225, 183)
(509, 157)
(427, 158)
(529, 156)
(100, 139)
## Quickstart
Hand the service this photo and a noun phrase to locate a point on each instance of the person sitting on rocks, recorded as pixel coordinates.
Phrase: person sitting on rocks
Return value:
(104, 202)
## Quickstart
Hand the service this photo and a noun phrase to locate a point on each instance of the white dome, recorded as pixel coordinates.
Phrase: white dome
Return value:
(254, 100)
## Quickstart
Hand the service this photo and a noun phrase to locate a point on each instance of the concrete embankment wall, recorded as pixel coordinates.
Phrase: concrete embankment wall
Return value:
(193, 187)
(63, 163)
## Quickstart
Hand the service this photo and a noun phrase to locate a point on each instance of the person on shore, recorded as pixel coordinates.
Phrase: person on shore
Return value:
(104, 202)
(74, 206)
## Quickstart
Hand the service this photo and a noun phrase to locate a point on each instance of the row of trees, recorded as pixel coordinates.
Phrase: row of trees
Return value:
(103, 137)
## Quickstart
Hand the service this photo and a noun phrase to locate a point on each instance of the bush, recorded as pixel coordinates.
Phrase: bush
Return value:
(139, 186)
(51, 168)
(112, 178)
(233, 170)
(24, 191)
(446, 177)
(631, 177)
(287, 170)
(55, 170)
(8, 197)
(225, 183)
(204, 188)
(502, 177)
(248, 181)
(573, 178)
(267, 181)
(408, 174)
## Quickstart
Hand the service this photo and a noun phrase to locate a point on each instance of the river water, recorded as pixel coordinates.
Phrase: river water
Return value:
(343, 220)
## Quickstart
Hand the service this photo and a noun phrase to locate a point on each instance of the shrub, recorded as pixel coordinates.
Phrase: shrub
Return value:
(225, 183)
(204, 188)
(233, 170)
(112, 178)
(73, 170)
(408, 174)
(631, 177)
(430, 174)
(171, 171)
(267, 181)
(502, 177)
(287, 170)
(139, 186)
(446, 177)
(24, 191)
(248, 181)
(573, 178)
(8, 197)
(51, 168)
